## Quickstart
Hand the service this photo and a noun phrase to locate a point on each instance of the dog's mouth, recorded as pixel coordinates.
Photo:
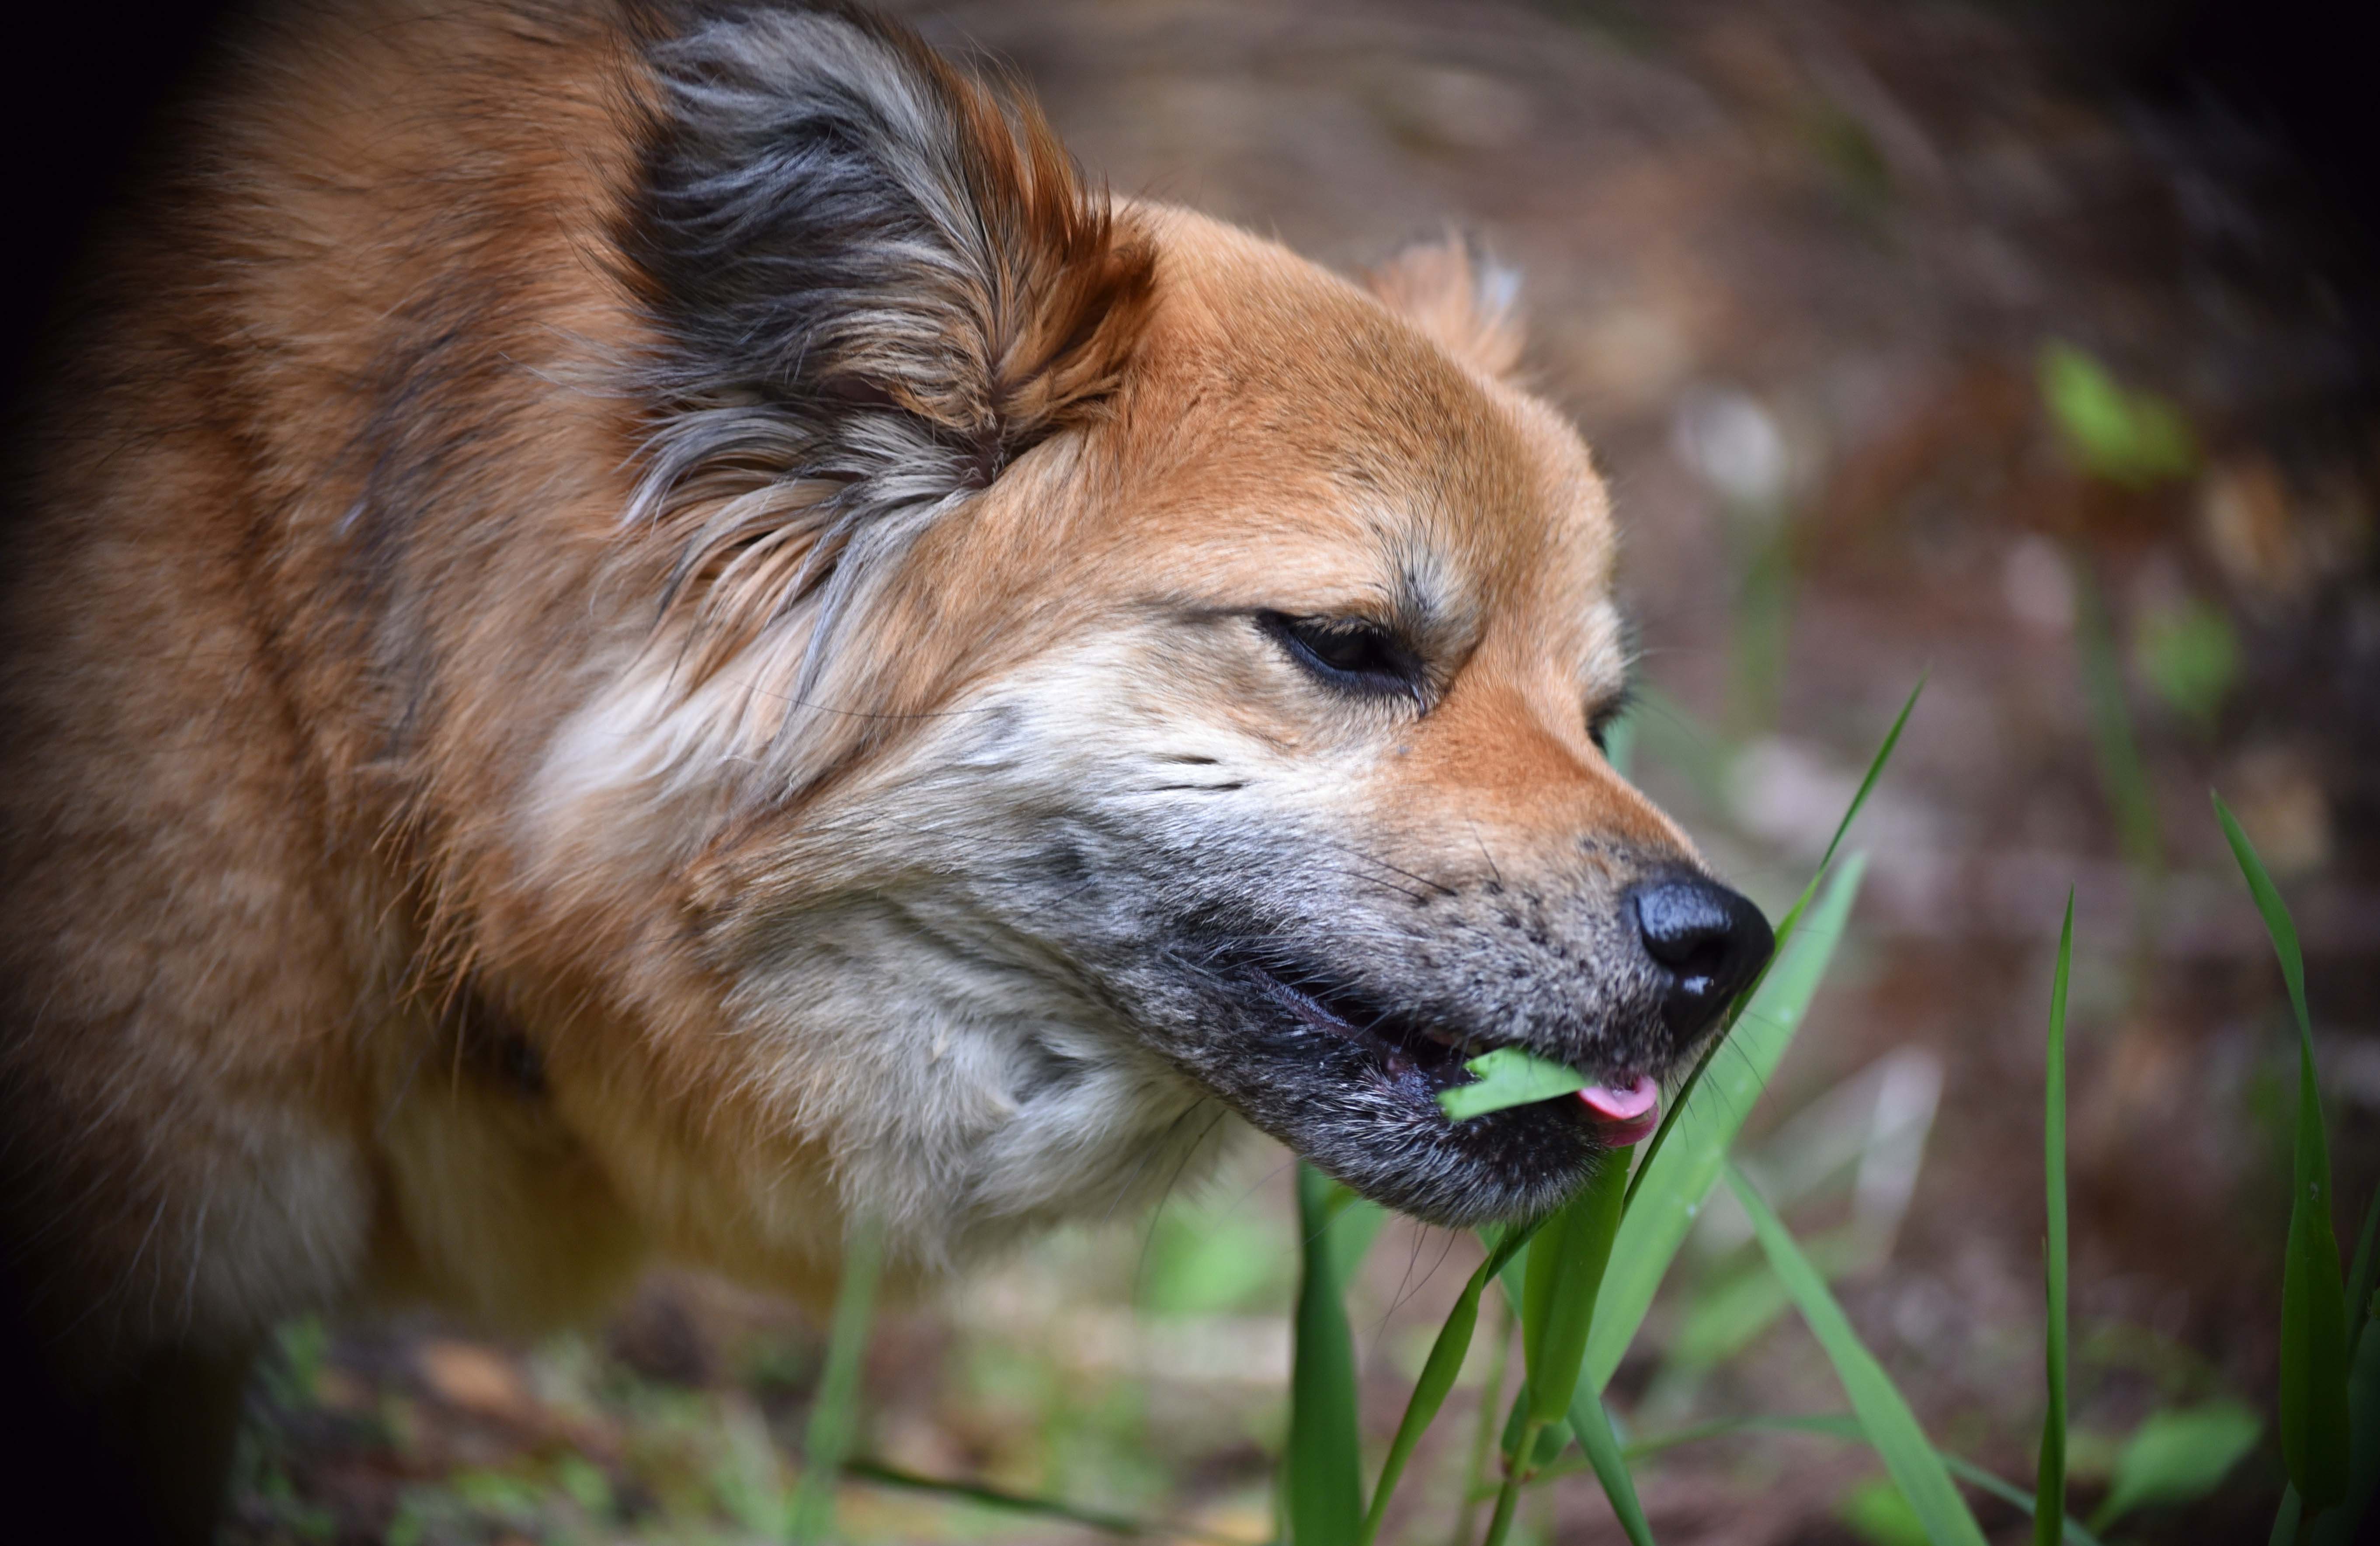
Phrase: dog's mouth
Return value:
(1423, 1058)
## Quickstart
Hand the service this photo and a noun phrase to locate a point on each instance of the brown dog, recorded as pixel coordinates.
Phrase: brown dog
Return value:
(642, 626)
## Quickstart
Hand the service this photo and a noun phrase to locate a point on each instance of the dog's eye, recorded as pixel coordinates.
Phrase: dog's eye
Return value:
(1347, 652)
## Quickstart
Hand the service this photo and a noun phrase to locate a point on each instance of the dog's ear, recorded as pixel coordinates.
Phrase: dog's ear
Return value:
(1466, 301)
(874, 282)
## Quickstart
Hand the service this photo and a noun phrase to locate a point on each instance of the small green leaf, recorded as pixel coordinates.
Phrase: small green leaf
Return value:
(2190, 655)
(2134, 438)
(2315, 1420)
(2050, 1497)
(2178, 1455)
(1321, 1483)
(1507, 1076)
(1909, 1457)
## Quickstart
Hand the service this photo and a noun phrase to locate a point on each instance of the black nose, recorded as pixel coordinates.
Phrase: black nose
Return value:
(1708, 940)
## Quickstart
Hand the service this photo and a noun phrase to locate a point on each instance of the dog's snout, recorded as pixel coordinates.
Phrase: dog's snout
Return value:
(1706, 938)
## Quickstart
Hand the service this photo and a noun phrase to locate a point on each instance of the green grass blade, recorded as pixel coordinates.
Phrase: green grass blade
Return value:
(1593, 1426)
(2314, 1422)
(2275, 914)
(2050, 1497)
(2286, 1520)
(1498, 1312)
(1508, 1496)
(1909, 1457)
(1785, 929)
(2343, 1526)
(2073, 1532)
(1438, 1377)
(2339, 1527)
(1876, 766)
(2359, 1277)
(1321, 1483)
(1513, 1278)
(834, 1413)
(2122, 774)
(1670, 1185)
(1565, 1273)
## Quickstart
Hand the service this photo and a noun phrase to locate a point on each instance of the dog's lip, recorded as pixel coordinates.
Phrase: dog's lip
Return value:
(1624, 1108)
(1309, 1007)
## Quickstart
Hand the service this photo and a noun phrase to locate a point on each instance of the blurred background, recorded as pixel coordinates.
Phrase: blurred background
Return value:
(2030, 346)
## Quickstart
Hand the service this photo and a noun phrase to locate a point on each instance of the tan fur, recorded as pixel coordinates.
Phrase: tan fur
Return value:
(310, 843)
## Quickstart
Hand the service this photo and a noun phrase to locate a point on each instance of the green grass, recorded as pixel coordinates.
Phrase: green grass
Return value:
(2049, 1494)
(834, 1415)
(1321, 1485)
(2315, 1417)
(1438, 1374)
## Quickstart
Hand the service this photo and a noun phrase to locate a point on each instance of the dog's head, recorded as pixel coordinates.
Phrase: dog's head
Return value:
(1110, 661)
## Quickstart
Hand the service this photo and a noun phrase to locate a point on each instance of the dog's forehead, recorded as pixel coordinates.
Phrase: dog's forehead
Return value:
(1307, 417)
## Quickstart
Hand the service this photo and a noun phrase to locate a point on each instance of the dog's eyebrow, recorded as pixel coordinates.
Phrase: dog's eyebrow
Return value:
(1420, 604)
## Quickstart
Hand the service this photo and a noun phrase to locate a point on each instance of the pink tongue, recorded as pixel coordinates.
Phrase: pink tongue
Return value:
(1622, 1105)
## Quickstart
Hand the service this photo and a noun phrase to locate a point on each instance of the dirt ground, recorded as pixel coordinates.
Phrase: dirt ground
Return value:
(1793, 266)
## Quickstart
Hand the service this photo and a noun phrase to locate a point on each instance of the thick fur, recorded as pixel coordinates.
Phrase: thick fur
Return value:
(638, 628)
